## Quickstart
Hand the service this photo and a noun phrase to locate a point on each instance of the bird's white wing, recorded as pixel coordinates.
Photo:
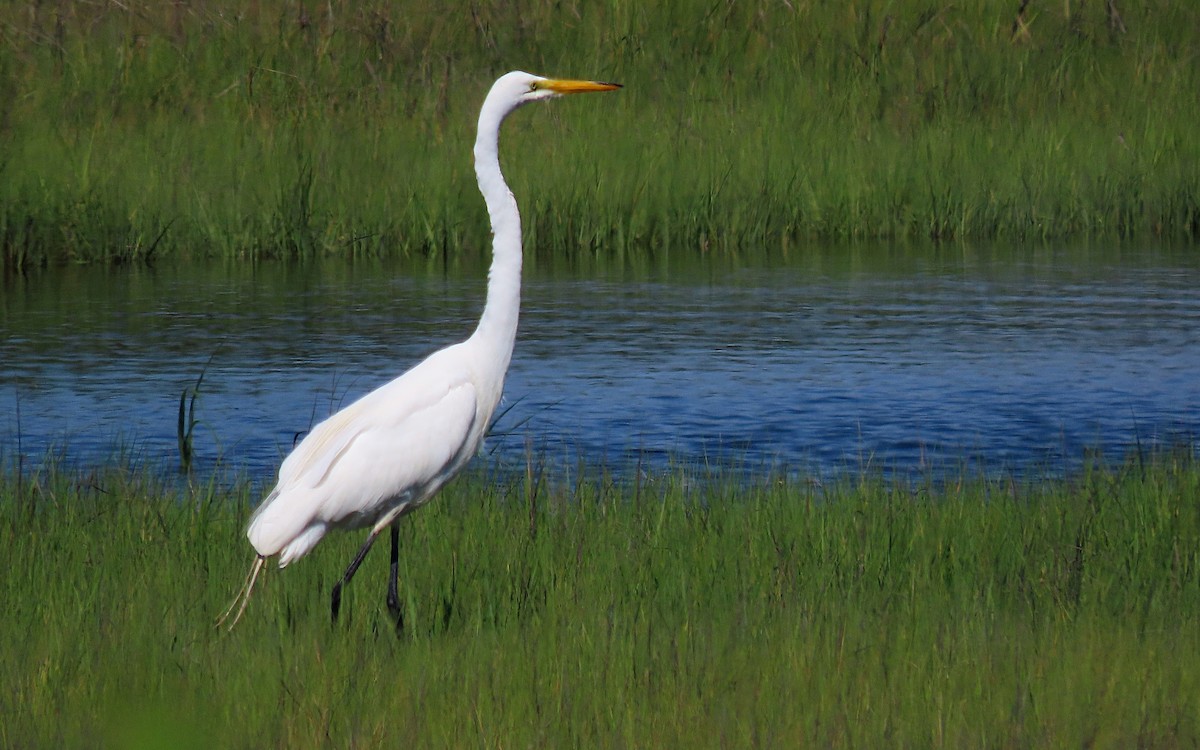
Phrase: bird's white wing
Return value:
(396, 444)
(404, 401)
(400, 461)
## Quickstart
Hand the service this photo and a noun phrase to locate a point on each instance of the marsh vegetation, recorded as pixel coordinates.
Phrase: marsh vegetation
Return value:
(671, 612)
(136, 131)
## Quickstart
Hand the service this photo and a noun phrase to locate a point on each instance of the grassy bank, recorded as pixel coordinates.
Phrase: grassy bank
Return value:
(141, 130)
(968, 613)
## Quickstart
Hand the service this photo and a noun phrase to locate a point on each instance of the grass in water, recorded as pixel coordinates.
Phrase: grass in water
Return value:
(956, 613)
(141, 130)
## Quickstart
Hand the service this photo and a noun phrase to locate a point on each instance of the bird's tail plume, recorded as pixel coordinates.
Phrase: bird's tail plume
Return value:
(243, 598)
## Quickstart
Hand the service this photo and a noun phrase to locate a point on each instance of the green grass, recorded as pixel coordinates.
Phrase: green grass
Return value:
(141, 130)
(960, 613)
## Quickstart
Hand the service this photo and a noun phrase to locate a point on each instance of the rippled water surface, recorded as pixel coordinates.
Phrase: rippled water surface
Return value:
(903, 359)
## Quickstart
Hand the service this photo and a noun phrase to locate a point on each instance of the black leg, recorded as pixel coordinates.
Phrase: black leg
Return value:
(336, 603)
(393, 598)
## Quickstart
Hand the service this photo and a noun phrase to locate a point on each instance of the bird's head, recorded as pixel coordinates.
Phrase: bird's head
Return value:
(518, 88)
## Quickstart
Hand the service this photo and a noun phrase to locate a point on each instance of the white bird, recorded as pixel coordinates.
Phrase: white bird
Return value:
(390, 451)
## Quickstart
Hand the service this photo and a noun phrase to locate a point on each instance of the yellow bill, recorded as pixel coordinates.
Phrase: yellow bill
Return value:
(576, 87)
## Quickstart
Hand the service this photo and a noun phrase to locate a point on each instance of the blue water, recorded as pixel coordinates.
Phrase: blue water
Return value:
(1009, 361)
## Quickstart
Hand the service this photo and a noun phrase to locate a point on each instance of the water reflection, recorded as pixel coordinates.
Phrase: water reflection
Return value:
(903, 361)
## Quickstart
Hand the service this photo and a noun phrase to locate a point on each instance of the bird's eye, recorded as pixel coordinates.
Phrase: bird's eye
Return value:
(533, 86)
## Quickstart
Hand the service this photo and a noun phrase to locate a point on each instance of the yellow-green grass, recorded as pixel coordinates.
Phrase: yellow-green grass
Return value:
(140, 130)
(674, 612)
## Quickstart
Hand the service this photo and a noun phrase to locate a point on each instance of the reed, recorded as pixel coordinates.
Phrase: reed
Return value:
(136, 131)
(681, 611)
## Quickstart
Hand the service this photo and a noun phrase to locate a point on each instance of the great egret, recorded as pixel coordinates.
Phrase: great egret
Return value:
(390, 451)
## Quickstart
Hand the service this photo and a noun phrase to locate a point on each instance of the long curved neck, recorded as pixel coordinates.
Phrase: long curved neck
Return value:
(498, 324)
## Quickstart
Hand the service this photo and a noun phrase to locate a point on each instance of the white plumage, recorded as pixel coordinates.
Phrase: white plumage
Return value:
(391, 450)
(374, 460)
